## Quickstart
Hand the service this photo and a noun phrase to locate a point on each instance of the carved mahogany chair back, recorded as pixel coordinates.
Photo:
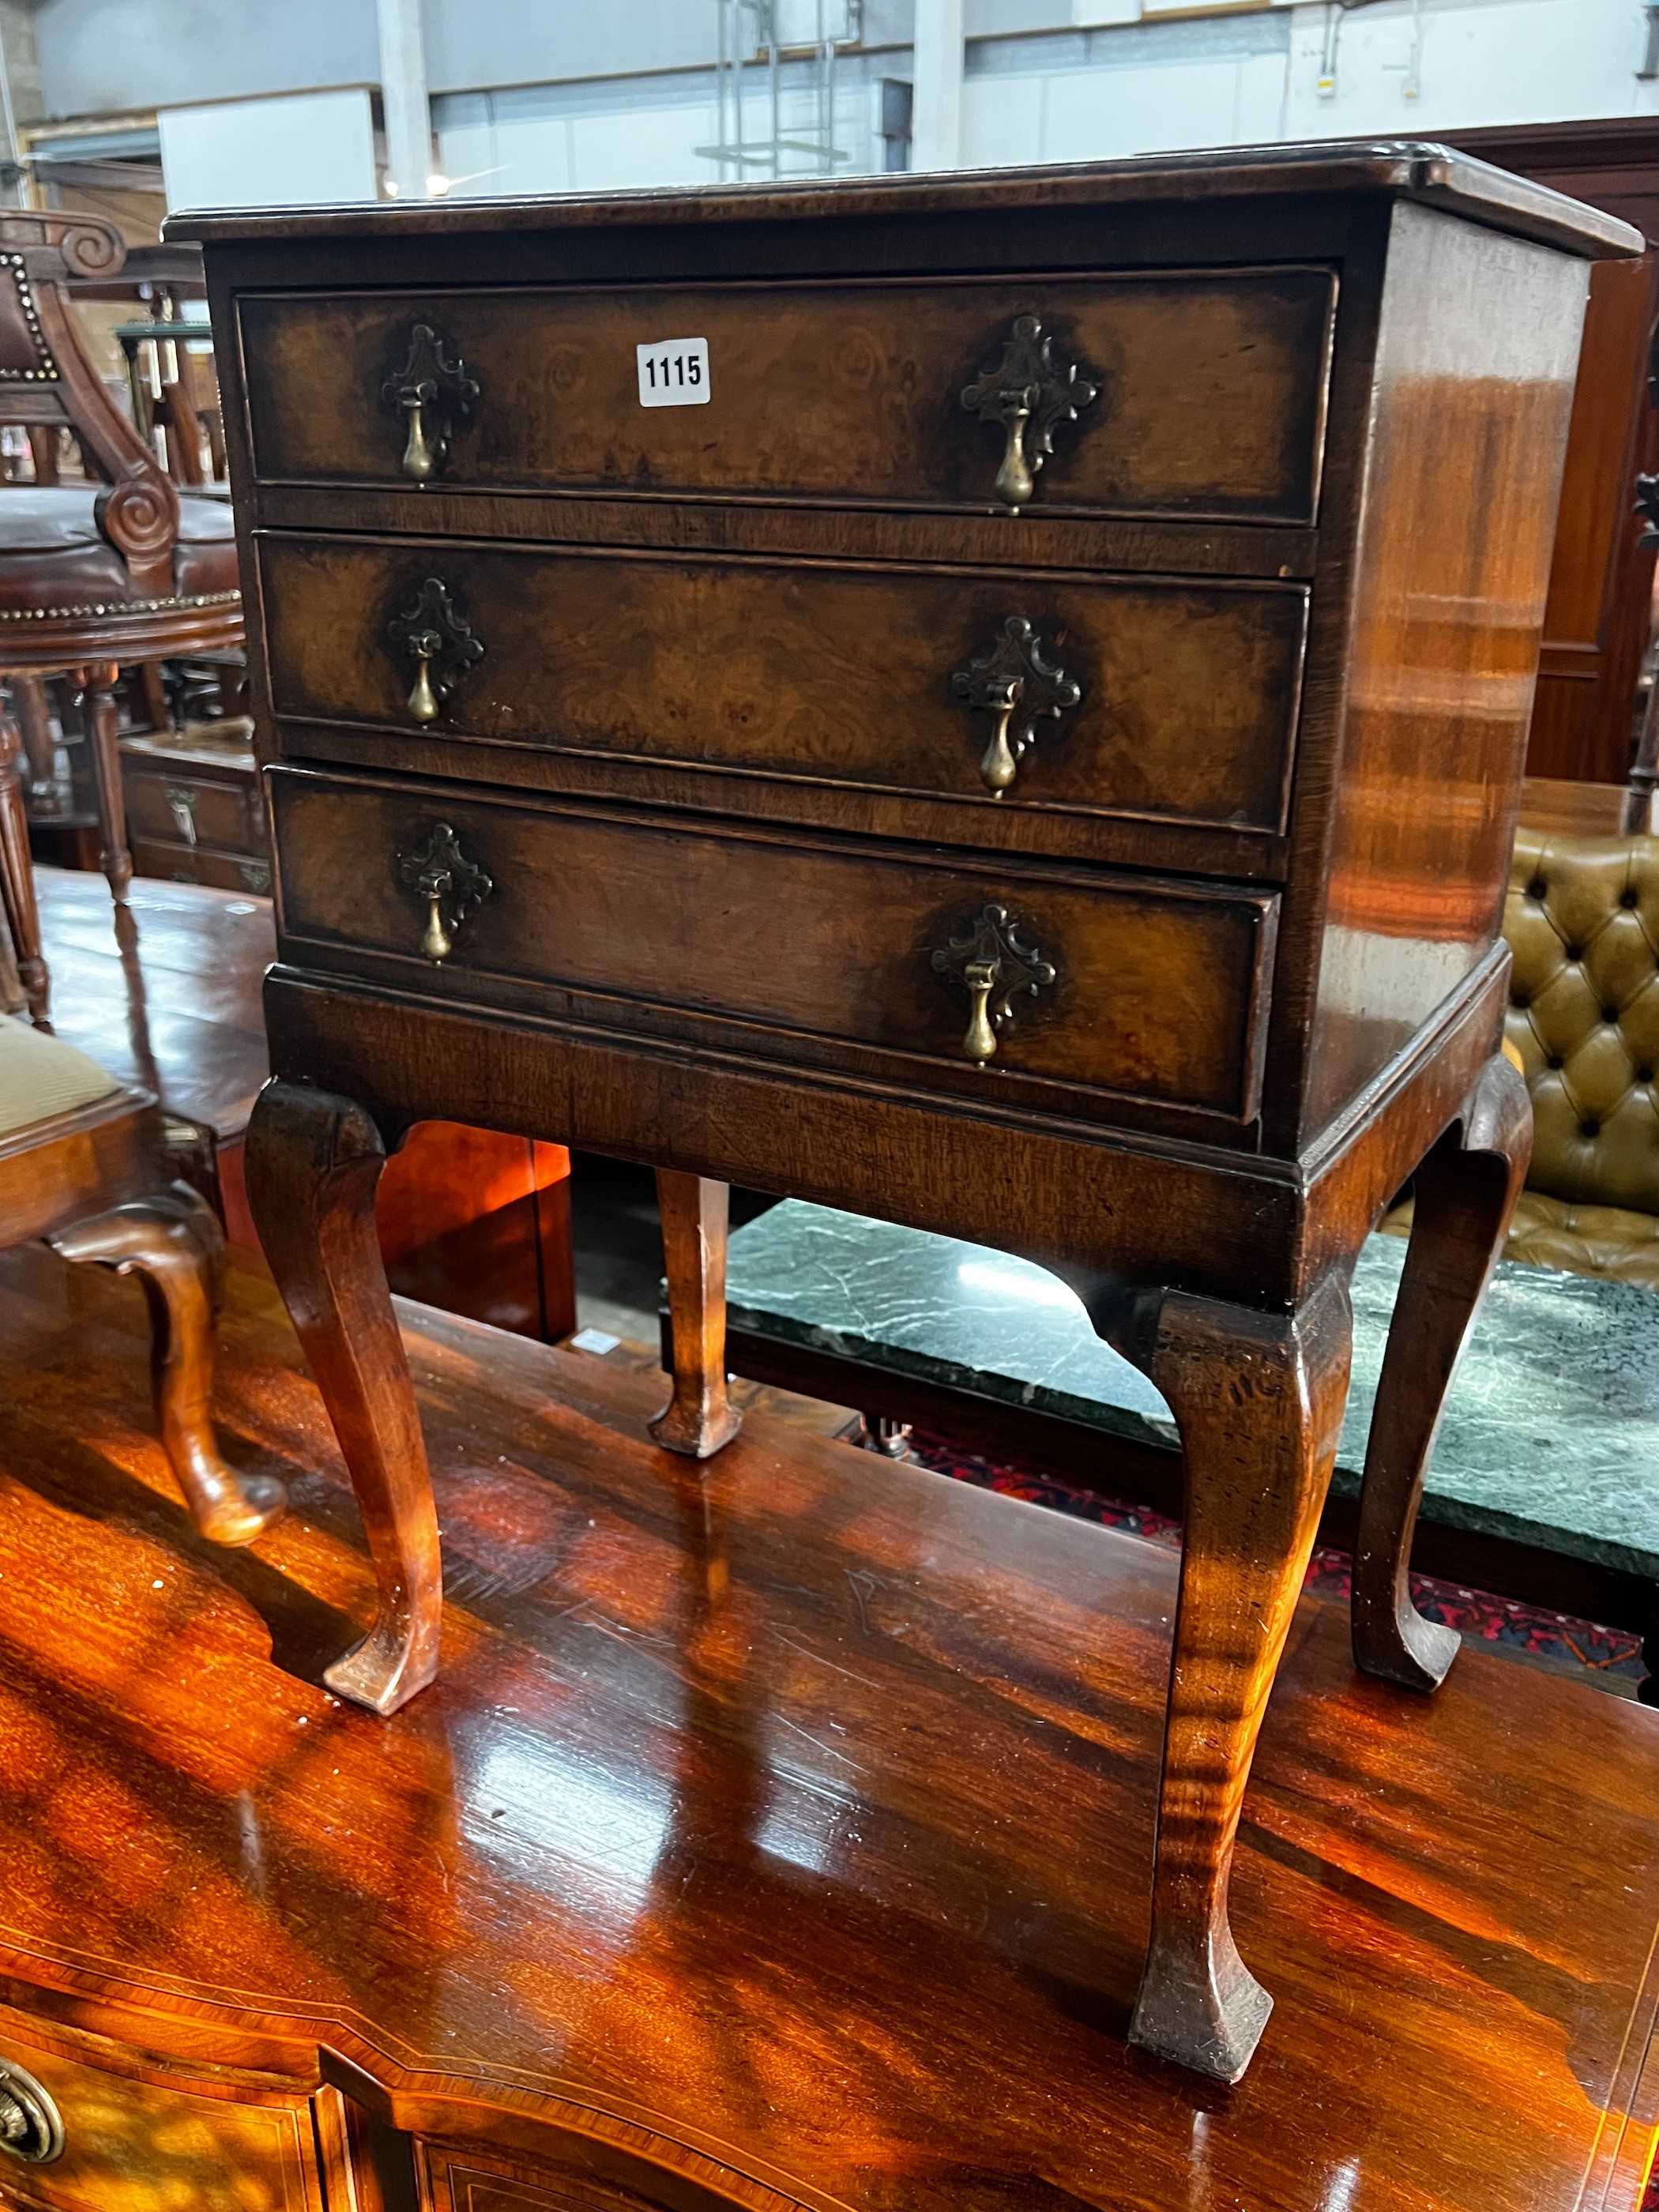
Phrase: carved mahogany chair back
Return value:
(122, 570)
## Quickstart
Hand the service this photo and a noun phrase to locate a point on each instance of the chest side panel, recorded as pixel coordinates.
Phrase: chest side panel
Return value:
(1477, 353)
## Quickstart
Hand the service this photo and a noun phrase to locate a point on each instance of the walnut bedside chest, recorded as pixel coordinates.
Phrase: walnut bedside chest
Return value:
(996, 702)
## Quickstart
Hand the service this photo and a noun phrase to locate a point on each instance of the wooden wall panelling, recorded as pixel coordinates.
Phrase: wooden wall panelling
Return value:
(1596, 624)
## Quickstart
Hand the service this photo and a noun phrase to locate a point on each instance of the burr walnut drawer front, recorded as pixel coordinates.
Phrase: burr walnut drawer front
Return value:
(1184, 393)
(1050, 696)
(893, 961)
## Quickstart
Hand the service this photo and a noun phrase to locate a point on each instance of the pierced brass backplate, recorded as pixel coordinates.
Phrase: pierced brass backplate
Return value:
(452, 886)
(1016, 687)
(432, 631)
(435, 393)
(1027, 396)
(995, 966)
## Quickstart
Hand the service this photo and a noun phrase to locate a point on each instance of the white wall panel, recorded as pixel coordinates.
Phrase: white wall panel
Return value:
(309, 148)
(99, 57)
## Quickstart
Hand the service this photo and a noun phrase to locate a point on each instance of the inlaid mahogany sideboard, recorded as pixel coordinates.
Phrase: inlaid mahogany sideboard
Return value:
(996, 702)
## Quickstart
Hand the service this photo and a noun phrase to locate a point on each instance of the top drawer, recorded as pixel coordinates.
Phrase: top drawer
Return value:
(1197, 394)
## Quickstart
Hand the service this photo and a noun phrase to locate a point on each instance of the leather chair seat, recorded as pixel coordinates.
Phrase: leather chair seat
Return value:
(41, 1077)
(52, 554)
(1613, 1240)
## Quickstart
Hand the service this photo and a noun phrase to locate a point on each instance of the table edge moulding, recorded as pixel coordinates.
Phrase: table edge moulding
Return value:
(1212, 1247)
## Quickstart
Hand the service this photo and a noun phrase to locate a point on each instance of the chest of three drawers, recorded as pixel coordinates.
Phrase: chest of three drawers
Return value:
(809, 717)
(1027, 743)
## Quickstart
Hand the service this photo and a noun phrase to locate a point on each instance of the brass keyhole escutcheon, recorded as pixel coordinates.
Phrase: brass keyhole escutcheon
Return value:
(996, 964)
(1016, 685)
(1027, 396)
(432, 632)
(450, 887)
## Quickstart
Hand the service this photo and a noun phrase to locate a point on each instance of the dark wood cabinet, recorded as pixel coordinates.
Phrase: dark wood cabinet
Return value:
(195, 811)
(1021, 735)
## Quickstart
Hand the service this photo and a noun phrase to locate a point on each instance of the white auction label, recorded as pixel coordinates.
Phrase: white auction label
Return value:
(673, 373)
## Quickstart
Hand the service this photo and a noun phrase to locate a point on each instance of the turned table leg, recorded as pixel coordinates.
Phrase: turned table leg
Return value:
(312, 1163)
(699, 1418)
(1466, 1193)
(174, 1244)
(1258, 1399)
(103, 742)
(35, 721)
(17, 876)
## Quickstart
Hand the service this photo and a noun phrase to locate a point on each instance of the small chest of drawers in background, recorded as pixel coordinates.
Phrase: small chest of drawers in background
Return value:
(195, 811)
(996, 702)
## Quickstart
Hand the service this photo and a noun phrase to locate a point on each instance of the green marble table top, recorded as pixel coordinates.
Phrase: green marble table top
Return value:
(1551, 1435)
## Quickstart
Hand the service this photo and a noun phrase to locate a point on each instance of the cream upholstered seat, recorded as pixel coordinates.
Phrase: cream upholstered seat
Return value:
(41, 1077)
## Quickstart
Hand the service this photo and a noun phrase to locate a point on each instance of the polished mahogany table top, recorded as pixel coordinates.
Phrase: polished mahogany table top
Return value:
(787, 1819)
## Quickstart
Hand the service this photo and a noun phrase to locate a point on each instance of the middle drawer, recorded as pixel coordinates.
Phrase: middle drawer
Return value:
(1039, 712)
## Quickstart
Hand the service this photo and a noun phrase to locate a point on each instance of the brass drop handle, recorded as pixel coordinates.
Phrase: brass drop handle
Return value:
(450, 886)
(996, 964)
(422, 699)
(981, 1040)
(1016, 685)
(434, 391)
(1030, 392)
(1002, 762)
(182, 801)
(1015, 482)
(31, 2127)
(436, 943)
(420, 456)
(432, 632)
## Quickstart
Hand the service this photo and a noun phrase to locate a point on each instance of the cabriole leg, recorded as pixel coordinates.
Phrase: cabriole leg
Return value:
(312, 1163)
(699, 1418)
(1258, 1399)
(1466, 1193)
(174, 1245)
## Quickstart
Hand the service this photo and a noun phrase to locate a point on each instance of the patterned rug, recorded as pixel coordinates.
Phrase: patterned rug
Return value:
(1554, 1636)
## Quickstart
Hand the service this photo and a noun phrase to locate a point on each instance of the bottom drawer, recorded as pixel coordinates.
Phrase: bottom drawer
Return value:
(128, 2142)
(1065, 987)
(197, 864)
